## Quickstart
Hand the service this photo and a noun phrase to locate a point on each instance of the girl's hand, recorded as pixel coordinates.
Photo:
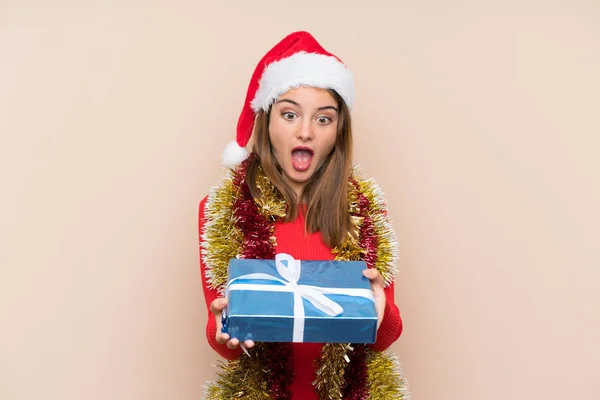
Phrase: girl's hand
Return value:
(377, 287)
(217, 307)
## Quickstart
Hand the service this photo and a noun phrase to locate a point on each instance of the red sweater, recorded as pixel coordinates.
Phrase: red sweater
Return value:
(292, 240)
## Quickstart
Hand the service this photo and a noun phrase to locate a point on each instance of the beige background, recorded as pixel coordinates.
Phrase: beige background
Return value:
(479, 119)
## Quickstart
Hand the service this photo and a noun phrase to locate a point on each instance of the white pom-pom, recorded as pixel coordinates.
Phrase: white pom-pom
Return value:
(233, 154)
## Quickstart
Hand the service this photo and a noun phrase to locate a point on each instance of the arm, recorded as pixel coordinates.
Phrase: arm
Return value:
(391, 326)
(209, 296)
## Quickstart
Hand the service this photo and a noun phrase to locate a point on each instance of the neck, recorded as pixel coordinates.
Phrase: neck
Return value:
(297, 187)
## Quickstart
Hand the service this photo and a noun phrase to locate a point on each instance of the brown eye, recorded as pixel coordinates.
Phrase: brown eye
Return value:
(290, 116)
(323, 120)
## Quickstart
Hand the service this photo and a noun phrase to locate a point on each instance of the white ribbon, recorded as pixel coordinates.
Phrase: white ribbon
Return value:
(289, 278)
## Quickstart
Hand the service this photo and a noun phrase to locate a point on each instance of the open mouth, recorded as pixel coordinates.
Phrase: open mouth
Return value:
(302, 157)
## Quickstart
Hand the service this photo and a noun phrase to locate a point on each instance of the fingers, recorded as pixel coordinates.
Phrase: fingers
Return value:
(217, 305)
(233, 343)
(374, 276)
(370, 273)
(222, 338)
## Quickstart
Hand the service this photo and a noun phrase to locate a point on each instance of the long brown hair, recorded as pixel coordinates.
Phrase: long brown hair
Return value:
(326, 193)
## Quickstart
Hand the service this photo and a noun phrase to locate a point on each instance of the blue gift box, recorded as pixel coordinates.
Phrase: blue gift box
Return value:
(287, 300)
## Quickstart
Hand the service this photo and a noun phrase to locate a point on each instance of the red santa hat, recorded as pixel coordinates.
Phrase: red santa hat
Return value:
(297, 60)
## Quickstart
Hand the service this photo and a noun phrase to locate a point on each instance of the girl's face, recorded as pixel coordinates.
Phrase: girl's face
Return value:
(302, 130)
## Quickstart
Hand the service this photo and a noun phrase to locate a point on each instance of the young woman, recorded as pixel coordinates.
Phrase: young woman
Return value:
(297, 193)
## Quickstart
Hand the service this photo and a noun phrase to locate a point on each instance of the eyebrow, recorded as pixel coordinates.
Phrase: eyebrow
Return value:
(298, 104)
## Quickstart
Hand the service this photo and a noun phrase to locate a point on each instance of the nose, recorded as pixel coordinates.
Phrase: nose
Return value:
(305, 130)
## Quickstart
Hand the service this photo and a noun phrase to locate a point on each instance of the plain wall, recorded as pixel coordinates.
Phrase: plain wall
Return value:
(479, 119)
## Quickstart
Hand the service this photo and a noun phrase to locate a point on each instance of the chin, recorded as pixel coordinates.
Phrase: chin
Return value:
(299, 177)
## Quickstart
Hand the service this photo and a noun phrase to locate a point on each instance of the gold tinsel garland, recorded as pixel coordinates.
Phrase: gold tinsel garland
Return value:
(385, 378)
(244, 378)
(330, 370)
(244, 369)
(222, 239)
(387, 244)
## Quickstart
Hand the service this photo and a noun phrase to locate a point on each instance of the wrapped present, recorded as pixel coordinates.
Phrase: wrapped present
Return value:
(287, 300)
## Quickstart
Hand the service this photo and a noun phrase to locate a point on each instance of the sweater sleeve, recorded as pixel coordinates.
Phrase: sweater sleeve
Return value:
(391, 326)
(211, 294)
